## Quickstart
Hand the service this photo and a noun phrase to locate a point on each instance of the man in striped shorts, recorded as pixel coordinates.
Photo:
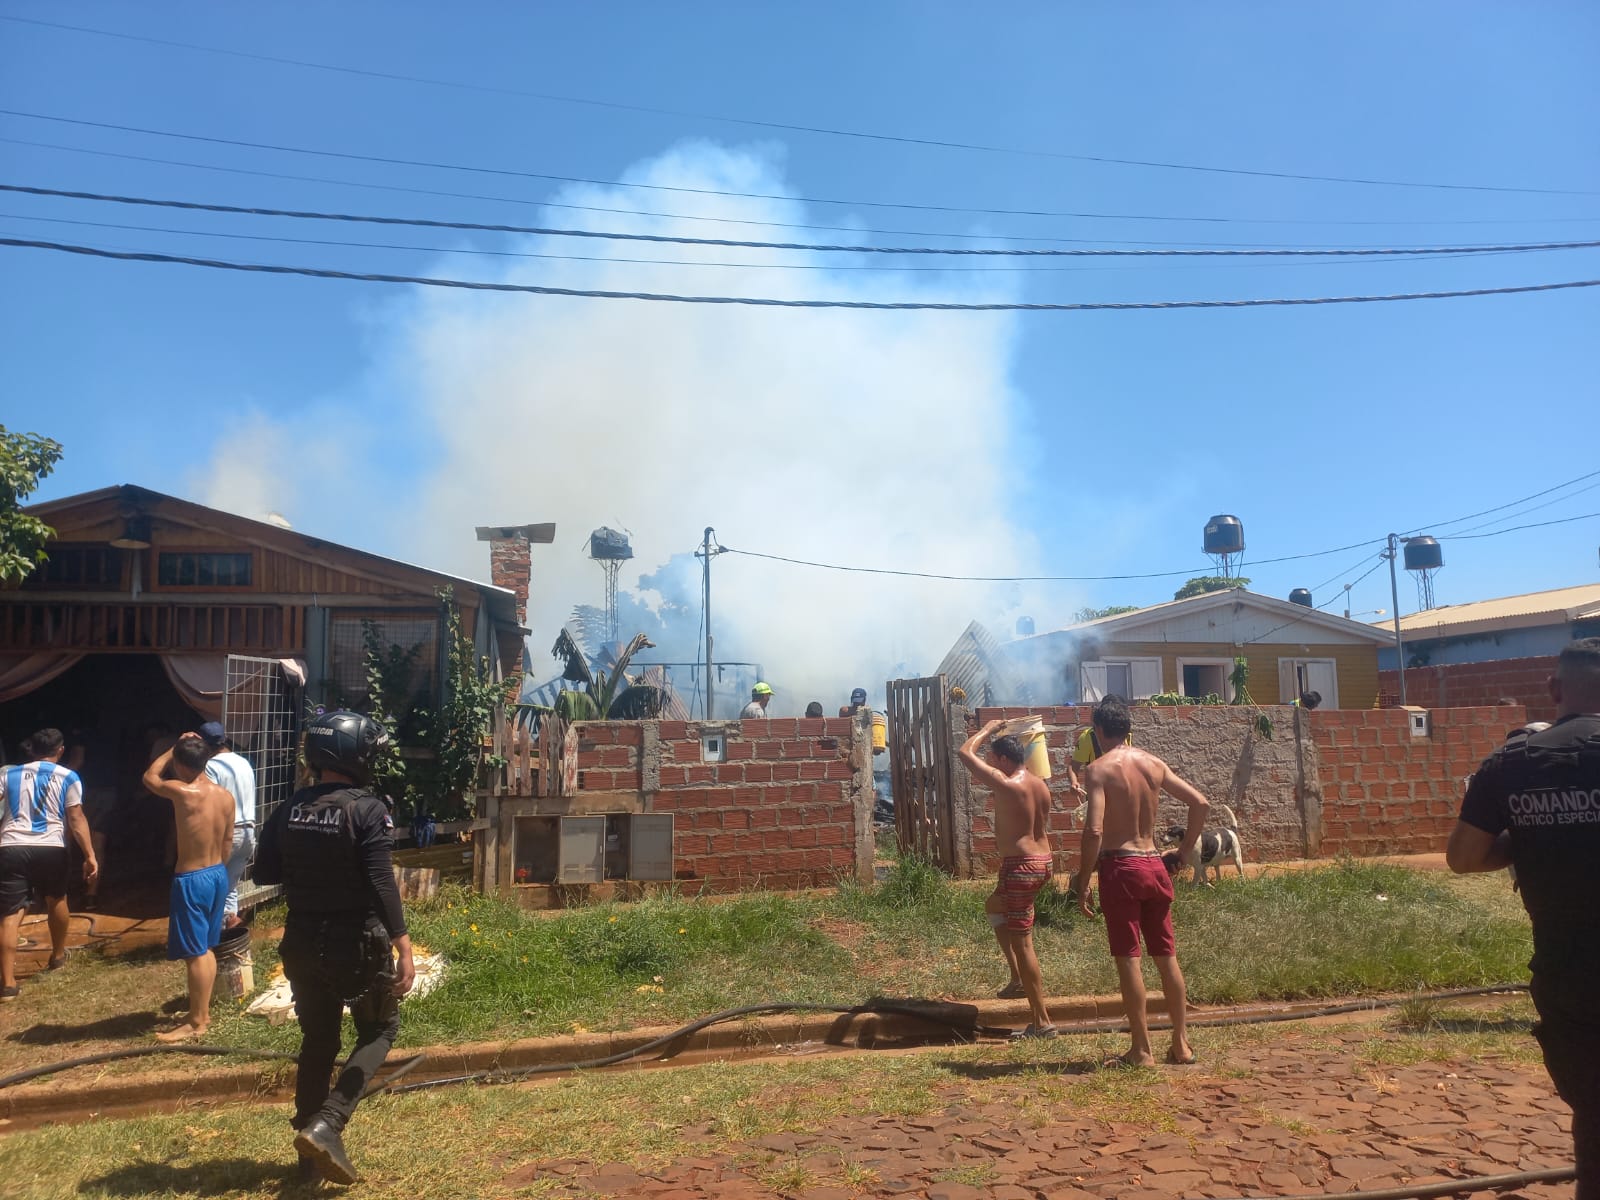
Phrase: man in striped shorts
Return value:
(42, 801)
(1022, 835)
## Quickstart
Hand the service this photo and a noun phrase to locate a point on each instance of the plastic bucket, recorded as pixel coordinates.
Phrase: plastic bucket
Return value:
(236, 972)
(880, 732)
(1036, 752)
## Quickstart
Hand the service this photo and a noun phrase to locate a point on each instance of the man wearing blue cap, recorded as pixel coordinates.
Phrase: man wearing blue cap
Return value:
(233, 772)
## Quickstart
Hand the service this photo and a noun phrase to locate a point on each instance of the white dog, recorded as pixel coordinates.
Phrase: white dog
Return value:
(1213, 848)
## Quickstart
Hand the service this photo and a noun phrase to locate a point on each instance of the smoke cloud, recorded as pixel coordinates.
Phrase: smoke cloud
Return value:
(863, 438)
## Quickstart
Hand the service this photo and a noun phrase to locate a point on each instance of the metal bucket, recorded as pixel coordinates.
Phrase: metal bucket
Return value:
(236, 973)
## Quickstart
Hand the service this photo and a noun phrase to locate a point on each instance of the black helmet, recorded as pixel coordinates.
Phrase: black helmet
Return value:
(345, 742)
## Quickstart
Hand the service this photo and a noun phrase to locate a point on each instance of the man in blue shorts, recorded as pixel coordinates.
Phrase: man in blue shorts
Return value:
(203, 815)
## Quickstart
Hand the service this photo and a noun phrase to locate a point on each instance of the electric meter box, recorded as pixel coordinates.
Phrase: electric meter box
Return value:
(650, 847)
(1419, 721)
(582, 850)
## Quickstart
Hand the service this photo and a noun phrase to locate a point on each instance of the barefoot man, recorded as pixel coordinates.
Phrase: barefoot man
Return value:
(204, 821)
(1124, 786)
(1022, 835)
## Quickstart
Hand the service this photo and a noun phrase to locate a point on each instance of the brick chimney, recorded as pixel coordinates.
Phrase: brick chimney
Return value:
(510, 562)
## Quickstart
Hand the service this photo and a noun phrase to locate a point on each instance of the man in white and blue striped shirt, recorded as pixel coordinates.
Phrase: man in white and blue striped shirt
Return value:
(232, 771)
(39, 801)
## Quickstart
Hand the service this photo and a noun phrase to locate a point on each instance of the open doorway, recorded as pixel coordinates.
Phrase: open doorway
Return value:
(118, 711)
(1202, 677)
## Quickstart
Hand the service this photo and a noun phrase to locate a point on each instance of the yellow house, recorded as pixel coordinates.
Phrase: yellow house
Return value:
(1189, 647)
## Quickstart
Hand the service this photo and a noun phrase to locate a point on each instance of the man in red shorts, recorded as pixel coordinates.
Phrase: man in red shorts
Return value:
(1022, 835)
(1125, 785)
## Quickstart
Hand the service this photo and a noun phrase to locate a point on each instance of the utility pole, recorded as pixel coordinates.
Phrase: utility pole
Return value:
(1391, 554)
(707, 549)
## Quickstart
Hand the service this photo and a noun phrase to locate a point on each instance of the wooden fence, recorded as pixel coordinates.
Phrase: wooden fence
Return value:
(920, 762)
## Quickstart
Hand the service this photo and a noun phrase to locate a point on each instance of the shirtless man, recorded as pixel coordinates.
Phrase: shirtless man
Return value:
(204, 823)
(1124, 786)
(1022, 835)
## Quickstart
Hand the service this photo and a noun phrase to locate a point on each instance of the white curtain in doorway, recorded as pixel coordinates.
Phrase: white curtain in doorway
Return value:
(22, 673)
(200, 680)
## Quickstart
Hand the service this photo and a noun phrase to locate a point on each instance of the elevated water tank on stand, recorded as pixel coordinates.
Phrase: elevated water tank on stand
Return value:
(1224, 542)
(1424, 556)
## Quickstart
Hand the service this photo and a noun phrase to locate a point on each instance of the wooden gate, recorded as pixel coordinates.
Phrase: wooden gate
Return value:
(920, 771)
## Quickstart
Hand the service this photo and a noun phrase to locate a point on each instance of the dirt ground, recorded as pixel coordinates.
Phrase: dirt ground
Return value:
(1294, 1110)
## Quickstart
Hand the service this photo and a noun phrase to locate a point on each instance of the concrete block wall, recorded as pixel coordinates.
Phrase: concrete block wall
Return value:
(1387, 792)
(791, 807)
(1478, 685)
(1215, 748)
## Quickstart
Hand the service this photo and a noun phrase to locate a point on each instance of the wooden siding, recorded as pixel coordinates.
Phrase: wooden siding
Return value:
(1357, 665)
(112, 627)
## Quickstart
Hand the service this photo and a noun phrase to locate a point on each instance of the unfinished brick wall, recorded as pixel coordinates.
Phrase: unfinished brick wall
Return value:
(1387, 792)
(791, 807)
(1478, 685)
(1215, 748)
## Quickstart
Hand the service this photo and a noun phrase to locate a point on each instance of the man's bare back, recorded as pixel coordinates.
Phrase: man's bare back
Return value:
(203, 814)
(1130, 782)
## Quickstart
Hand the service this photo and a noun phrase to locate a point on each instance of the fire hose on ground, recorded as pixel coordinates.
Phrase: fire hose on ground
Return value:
(958, 1018)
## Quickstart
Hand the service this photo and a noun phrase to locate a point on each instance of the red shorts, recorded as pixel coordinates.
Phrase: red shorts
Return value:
(1135, 895)
(1021, 877)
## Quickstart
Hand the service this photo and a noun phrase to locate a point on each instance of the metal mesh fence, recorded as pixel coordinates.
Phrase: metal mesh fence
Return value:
(261, 712)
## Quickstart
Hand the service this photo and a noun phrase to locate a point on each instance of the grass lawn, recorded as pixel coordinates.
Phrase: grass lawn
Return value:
(477, 1138)
(1348, 928)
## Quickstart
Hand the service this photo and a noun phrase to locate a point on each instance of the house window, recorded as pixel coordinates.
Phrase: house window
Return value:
(1130, 678)
(1202, 677)
(408, 651)
(81, 568)
(203, 569)
(1296, 675)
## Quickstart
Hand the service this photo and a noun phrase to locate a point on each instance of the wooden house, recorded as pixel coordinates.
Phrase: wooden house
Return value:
(153, 614)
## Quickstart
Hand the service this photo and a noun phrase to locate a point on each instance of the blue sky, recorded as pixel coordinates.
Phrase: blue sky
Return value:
(1093, 444)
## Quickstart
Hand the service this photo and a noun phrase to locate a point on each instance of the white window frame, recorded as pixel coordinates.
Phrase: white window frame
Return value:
(1286, 668)
(1128, 661)
(1227, 674)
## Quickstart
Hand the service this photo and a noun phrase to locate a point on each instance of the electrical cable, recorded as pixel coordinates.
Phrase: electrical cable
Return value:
(1507, 504)
(89, 1060)
(1522, 512)
(795, 128)
(775, 302)
(1467, 537)
(664, 262)
(658, 187)
(1315, 608)
(522, 200)
(838, 248)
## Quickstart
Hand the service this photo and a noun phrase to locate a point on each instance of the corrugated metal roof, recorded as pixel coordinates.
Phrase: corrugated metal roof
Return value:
(974, 664)
(1531, 609)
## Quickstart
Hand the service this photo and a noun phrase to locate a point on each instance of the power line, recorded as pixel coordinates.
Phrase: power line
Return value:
(797, 128)
(1522, 512)
(551, 177)
(633, 212)
(1318, 608)
(664, 262)
(774, 302)
(1467, 537)
(1509, 504)
(822, 247)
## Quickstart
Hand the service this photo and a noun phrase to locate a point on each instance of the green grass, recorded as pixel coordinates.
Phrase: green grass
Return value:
(1347, 928)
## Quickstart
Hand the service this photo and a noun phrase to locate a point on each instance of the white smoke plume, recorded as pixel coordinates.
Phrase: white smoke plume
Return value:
(866, 438)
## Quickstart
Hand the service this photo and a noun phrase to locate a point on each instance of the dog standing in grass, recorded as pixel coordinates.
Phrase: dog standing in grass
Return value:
(1215, 847)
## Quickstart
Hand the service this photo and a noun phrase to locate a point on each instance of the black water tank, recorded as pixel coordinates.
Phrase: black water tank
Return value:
(1224, 535)
(1300, 596)
(1423, 554)
(1024, 626)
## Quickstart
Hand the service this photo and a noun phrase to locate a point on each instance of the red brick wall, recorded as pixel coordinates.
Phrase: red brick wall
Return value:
(1476, 685)
(786, 810)
(1386, 792)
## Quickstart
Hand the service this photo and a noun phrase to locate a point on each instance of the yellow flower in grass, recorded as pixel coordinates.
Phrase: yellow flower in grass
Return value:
(682, 931)
(612, 921)
(473, 927)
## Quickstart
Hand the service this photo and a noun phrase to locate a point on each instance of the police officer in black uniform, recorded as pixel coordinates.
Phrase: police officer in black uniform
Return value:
(331, 846)
(1534, 805)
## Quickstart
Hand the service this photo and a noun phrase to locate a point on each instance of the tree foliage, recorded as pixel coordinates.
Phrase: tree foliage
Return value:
(1110, 610)
(1201, 584)
(25, 459)
(455, 732)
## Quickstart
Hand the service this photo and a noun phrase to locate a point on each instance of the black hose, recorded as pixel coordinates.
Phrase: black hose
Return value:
(377, 1089)
(89, 1060)
(1448, 1187)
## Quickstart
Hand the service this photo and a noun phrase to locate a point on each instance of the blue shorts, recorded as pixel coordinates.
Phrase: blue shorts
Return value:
(195, 923)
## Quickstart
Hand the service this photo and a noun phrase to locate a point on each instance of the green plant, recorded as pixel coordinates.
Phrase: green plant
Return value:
(388, 671)
(1110, 610)
(25, 459)
(607, 694)
(1202, 584)
(455, 732)
(1179, 700)
(1240, 679)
